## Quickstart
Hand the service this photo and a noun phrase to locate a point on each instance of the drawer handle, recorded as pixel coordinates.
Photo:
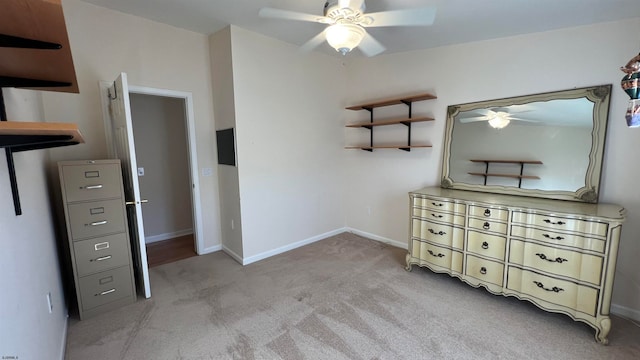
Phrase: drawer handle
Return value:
(486, 225)
(98, 223)
(541, 286)
(439, 255)
(436, 204)
(487, 212)
(93, 187)
(101, 258)
(437, 233)
(106, 292)
(558, 259)
(101, 246)
(485, 245)
(553, 238)
(483, 270)
(436, 216)
(554, 223)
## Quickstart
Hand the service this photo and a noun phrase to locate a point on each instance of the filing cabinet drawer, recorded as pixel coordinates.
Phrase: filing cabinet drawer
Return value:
(96, 218)
(99, 254)
(92, 181)
(105, 287)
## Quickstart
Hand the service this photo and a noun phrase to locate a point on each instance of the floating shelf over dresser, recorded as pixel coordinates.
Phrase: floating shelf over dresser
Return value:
(407, 100)
(559, 255)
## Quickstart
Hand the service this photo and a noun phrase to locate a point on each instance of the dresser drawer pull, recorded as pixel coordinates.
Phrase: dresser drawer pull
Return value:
(558, 259)
(554, 289)
(486, 225)
(483, 270)
(436, 204)
(437, 233)
(98, 223)
(485, 245)
(106, 292)
(437, 216)
(439, 255)
(93, 187)
(554, 223)
(487, 212)
(101, 258)
(553, 238)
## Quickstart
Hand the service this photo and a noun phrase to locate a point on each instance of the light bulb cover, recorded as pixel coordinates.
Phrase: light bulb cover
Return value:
(344, 37)
(499, 122)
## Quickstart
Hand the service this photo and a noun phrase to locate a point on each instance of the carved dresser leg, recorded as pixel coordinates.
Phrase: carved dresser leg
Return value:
(603, 331)
(408, 261)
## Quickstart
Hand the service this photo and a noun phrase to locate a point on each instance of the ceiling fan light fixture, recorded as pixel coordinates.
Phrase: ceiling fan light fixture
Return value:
(344, 37)
(499, 121)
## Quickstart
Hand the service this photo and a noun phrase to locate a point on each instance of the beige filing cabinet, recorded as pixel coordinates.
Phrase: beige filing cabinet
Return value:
(97, 231)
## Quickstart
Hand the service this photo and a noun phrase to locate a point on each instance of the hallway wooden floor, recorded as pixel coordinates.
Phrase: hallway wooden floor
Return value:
(167, 251)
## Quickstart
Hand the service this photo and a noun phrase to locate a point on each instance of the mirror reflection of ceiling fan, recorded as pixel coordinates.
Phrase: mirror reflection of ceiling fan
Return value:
(497, 117)
(347, 20)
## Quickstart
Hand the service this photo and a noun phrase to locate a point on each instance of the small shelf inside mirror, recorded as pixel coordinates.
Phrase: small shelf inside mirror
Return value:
(520, 176)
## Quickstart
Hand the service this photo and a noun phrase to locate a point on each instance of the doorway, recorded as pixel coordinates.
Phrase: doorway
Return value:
(160, 136)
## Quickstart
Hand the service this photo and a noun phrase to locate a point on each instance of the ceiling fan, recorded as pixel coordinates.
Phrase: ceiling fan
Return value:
(347, 20)
(497, 117)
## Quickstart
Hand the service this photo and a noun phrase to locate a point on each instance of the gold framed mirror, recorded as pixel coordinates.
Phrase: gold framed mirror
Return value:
(547, 145)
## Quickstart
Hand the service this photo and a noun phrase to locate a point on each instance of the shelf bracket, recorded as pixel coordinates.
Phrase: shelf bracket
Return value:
(370, 110)
(24, 43)
(10, 165)
(408, 124)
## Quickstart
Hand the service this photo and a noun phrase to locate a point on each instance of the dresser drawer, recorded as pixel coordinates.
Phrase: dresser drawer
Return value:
(105, 287)
(91, 181)
(487, 245)
(561, 223)
(489, 213)
(99, 254)
(96, 218)
(439, 256)
(559, 238)
(568, 263)
(488, 225)
(449, 218)
(485, 270)
(564, 293)
(437, 233)
(439, 205)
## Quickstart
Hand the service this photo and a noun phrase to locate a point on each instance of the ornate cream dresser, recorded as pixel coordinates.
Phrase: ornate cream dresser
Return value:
(559, 255)
(97, 230)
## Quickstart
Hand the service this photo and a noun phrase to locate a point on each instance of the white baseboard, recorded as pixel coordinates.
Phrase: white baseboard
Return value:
(211, 249)
(400, 244)
(231, 253)
(625, 312)
(280, 250)
(167, 236)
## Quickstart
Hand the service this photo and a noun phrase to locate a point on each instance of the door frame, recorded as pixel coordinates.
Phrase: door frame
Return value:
(192, 150)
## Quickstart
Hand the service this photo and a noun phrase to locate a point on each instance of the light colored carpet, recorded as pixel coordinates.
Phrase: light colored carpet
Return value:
(344, 297)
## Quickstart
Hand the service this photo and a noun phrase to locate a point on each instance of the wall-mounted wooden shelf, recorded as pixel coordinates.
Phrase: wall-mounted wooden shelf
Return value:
(520, 176)
(407, 100)
(23, 136)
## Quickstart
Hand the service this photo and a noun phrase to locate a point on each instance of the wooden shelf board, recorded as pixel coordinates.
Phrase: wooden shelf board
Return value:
(37, 20)
(22, 136)
(393, 101)
(509, 161)
(507, 175)
(390, 122)
(387, 147)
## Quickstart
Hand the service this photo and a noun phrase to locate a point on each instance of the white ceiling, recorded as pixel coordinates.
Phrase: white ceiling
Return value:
(457, 21)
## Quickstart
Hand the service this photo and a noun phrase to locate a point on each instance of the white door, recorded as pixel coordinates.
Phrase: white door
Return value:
(122, 128)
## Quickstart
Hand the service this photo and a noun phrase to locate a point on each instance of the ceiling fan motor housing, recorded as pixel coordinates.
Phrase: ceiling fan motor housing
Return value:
(345, 8)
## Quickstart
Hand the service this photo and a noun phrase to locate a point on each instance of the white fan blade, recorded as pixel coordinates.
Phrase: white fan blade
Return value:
(370, 46)
(313, 42)
(472, 119)
(407, 17)
(293, 15)
(519, 119)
